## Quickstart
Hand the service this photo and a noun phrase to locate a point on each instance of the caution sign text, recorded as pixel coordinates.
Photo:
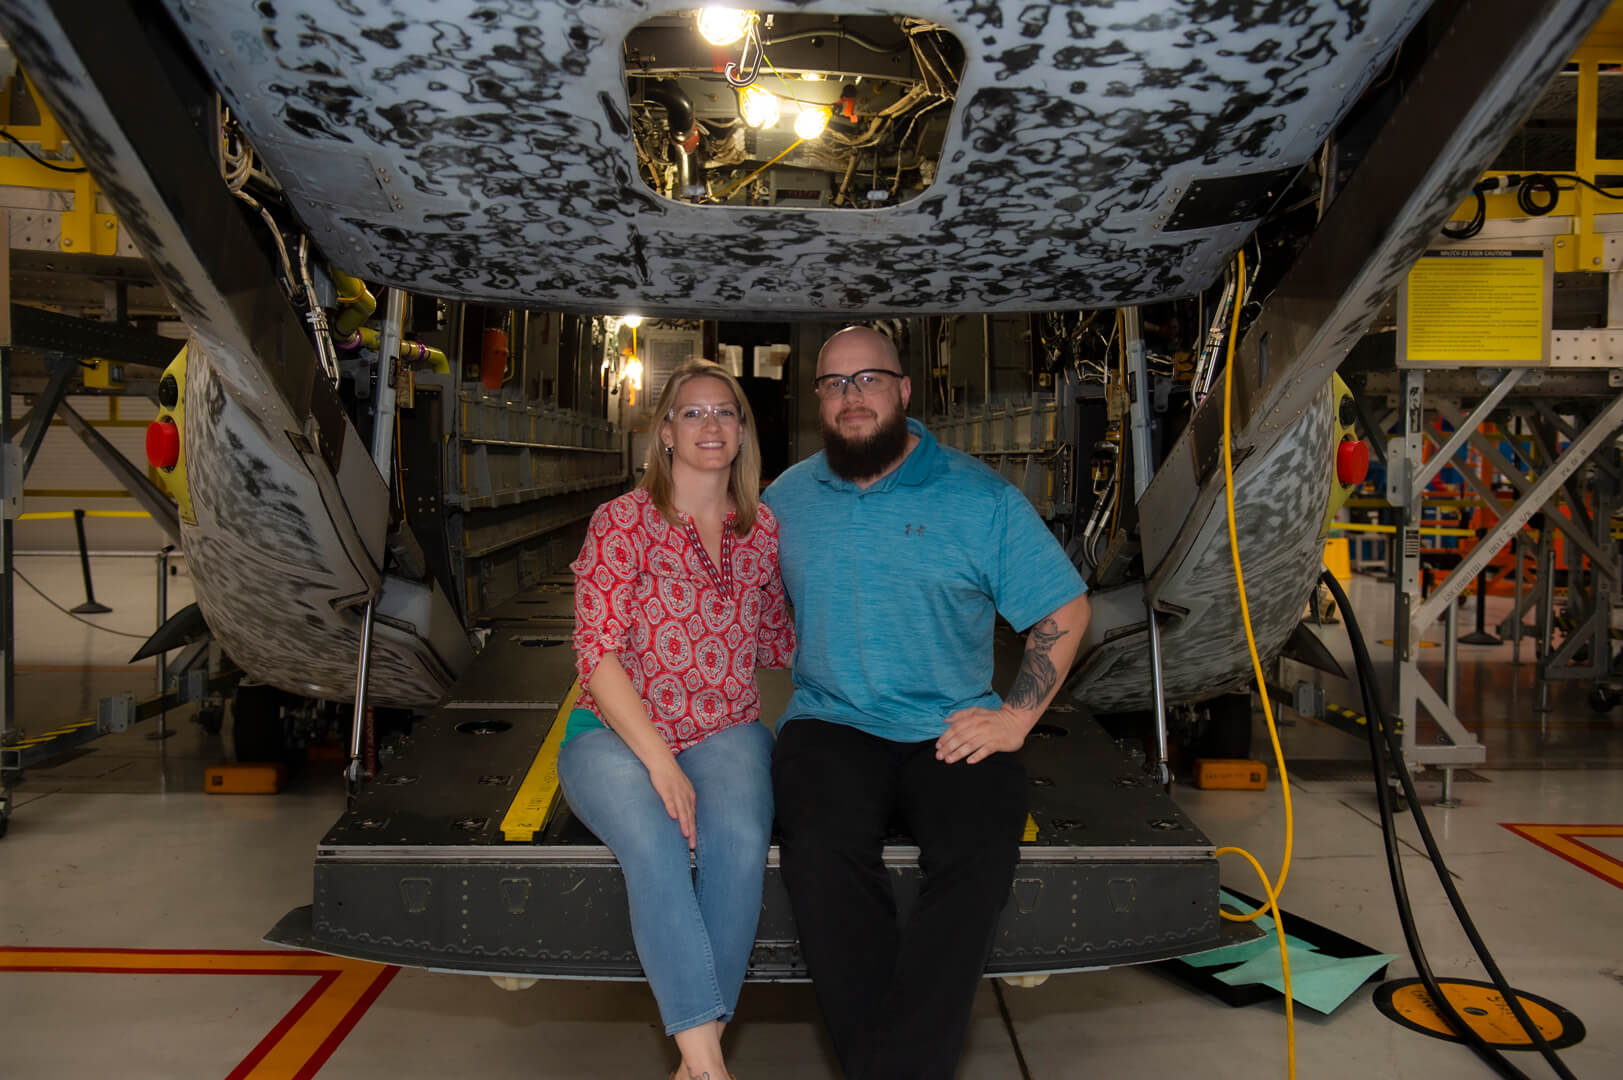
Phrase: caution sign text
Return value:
(1477, 307)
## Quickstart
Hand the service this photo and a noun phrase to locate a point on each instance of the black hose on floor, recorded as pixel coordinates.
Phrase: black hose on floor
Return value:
(1377, 718)
(1008, 1026)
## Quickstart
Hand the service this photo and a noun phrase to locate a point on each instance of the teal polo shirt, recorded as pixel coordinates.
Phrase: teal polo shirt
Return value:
(896, 587)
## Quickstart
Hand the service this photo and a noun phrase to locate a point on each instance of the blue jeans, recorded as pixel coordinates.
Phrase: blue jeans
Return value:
(694, 931)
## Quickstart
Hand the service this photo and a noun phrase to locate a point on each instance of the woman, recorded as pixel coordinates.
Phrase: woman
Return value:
(677, 599)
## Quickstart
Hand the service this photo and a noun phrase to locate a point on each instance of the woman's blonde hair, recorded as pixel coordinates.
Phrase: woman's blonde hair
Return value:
(743, 482)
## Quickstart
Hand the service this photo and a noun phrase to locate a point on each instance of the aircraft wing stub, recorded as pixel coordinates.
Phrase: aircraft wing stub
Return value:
(1482, 75)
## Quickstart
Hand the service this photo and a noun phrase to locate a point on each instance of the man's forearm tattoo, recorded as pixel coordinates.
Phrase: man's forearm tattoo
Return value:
(1037, 675)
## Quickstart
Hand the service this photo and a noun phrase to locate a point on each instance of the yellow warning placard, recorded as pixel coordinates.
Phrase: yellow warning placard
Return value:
(1466, 307)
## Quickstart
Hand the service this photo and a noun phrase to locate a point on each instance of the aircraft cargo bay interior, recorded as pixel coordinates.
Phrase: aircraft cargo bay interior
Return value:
(891, 542)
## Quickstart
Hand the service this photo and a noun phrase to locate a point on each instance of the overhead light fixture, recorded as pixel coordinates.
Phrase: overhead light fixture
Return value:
(632, 321)
(723, 25)
(760, 107)
(811, 121)
(812, 76)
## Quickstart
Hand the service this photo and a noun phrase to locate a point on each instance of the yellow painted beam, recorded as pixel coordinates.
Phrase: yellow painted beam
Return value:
(64, 515)
(84, 228)
(1361, 526)
(1426, 504)
(538, 794)
(76, 493)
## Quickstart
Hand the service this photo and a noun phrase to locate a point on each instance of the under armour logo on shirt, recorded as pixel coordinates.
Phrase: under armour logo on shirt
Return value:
(913, 530)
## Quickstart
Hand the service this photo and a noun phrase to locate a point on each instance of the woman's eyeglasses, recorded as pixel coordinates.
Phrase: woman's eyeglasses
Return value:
(694, 415)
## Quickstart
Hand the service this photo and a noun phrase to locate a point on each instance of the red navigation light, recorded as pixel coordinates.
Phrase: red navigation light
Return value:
(1352, 461)
(163, 443)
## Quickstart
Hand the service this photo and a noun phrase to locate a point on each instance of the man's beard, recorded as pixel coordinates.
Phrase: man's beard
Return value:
(859, 459)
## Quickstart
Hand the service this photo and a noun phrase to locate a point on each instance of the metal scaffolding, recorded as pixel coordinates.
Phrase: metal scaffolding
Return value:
(1572, 488)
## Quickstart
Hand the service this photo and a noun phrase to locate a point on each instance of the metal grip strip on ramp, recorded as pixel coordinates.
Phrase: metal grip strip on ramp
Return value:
(538, 794)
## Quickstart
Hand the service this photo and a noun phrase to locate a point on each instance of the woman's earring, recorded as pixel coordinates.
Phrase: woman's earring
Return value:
(667, 449)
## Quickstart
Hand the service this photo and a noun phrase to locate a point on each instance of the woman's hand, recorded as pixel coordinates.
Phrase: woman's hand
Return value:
(674, 789)
(623, 711)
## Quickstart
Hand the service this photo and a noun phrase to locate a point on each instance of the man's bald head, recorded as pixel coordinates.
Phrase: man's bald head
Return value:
(866, 348)
(864, 423)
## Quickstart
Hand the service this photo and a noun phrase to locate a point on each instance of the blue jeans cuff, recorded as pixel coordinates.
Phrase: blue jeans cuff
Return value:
(717, 1012)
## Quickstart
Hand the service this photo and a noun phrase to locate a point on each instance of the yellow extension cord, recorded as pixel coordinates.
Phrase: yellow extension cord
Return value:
(1270, 890)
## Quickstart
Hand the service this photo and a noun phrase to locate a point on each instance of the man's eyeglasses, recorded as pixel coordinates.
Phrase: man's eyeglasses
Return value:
(865, 381)
(694, 415)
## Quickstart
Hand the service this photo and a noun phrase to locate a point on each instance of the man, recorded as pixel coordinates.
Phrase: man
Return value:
(897, 554)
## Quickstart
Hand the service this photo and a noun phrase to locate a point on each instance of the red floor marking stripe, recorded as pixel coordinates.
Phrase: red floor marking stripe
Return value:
(288, 1051)
(283, 1026)
(1562, 840)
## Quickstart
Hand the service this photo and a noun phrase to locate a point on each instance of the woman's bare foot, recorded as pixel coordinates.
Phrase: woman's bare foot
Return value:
(701, 1053)
(686, 1072)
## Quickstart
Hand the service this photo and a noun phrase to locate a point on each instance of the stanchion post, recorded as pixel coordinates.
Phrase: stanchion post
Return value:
(11, 502)
(362, 761)
(1546, 620)
(1516, 608)
(89, 607)
(163, 731)
(1480, 635)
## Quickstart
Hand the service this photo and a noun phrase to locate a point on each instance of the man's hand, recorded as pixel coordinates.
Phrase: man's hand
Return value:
(975, 734)
(674, 789)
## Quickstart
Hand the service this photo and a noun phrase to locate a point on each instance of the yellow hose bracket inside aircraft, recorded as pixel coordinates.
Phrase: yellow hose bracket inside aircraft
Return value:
(166, 436)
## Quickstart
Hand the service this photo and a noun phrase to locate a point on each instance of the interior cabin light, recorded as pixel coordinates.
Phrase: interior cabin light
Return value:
(812, 76)
(723, 25)
(811, 121)
(760, 107)
(632, 321)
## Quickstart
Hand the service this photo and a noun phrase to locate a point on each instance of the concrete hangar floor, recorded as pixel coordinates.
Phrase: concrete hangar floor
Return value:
(132, 907)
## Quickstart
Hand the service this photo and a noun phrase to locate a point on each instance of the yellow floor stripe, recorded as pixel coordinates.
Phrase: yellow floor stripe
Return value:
(1031, 830)
(536, 796)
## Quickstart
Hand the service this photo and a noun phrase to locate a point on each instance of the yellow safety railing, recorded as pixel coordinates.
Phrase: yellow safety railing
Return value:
(1361, 526)
(68, 515)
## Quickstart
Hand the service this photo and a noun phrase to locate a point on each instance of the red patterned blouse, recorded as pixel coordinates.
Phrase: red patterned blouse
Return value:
(688, 634)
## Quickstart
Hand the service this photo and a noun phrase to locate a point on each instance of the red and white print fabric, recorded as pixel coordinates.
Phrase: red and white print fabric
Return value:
(689, 634)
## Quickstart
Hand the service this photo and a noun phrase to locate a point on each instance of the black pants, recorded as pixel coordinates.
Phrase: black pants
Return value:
(896, 998)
